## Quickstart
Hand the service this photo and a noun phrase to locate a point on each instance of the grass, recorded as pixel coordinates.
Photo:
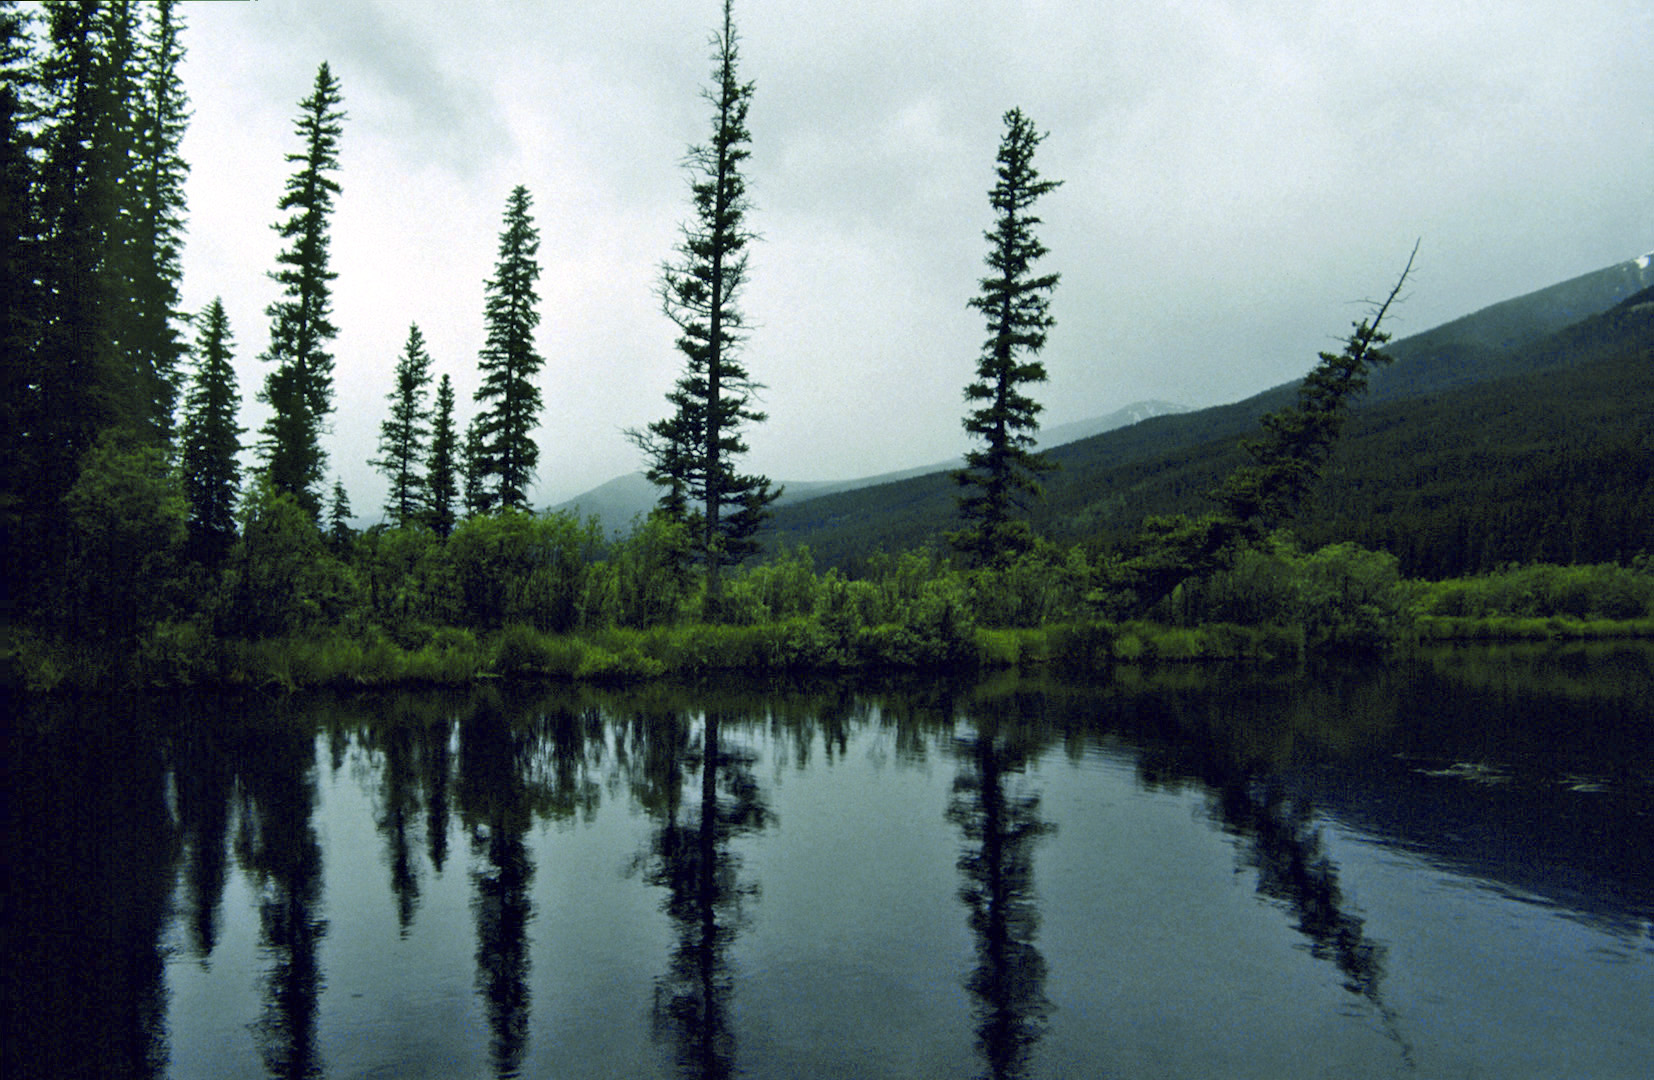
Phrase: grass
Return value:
(183, 654)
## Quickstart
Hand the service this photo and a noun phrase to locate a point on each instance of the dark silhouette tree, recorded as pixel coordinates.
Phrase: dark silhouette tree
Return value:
(277, 846)
(69, 379)
(692, 452)
(442, 467)
(474, 470)
(510, 402)
(1004, 471)
(402, 435)
(1287, 463)
(339, 532)
(691, 856)
(300, 388)
(496, 807)
(92, 223)
(23, 309)
(211, 440)
(153, 344)
(1001, 823)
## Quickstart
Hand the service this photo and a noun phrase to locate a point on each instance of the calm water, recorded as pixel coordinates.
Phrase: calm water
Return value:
(1442, 867)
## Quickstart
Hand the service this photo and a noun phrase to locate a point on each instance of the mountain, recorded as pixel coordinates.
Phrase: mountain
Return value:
(1105, 484)
(618, 501)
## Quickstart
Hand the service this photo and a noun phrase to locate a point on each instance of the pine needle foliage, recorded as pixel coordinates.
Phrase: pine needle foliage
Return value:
(692, 453)
(211, 439)
(1003, 472)
(300, 388)
(402, 435)
(509, 363)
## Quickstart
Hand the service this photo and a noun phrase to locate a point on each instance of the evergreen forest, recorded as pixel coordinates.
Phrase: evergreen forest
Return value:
(1493, 478)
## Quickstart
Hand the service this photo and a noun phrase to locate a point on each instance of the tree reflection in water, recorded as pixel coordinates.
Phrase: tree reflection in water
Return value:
(205, 779)
(399, 792)
(277, 847)
(689, 857)
(1231, 759)
(1000, 820)
(495, 808)
(88, 875)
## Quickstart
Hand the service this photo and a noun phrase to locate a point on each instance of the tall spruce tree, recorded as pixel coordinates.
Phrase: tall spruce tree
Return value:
(692, 452)
(402, 435)
(160, 115)
(76, 384)
(20, 253)
(300, 388)
(68, 380)
(509, 399)
(211, 439)
(442, 467)
(1004, 471)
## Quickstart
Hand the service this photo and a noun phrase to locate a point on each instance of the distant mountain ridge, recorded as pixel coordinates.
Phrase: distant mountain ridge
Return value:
(1105, 483)
(616, 502)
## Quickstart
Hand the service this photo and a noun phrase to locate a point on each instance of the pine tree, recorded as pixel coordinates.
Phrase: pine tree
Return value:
(442, 467)
(474, 469)
(339, 532)
(510, 401)
(1015, 303)
(402, 436)
(300, 389)
(1288, 460)
(692, 452)
(211, 439)
(21, 311)
(67, 379)
(77, 384)
(160, 117)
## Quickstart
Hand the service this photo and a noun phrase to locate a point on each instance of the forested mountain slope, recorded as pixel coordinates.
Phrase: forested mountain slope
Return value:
(1506, 435)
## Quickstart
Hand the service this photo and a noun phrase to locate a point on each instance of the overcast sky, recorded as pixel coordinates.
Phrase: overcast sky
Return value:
(1238, 177)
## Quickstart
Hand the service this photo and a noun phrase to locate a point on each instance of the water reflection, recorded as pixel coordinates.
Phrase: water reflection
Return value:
(277, 847)
(205, 783)
(999, 816)
(1238, 752)
(88, 869)
(494, 754)
(689, 856)
(119, 841)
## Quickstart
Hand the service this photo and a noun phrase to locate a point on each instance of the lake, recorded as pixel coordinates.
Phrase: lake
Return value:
(1441, 866)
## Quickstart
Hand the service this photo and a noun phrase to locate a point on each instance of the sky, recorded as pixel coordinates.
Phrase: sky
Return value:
(1238, 178)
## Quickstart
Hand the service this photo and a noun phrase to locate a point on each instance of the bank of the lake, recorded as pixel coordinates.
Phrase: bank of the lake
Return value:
(182, 656)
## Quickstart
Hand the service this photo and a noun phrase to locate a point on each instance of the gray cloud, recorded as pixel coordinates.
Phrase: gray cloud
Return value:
(1236, 176)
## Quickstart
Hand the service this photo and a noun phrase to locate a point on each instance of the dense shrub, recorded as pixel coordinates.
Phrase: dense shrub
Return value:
(515, 567)
(1342, 596)
(281, 578)
(1603, 591)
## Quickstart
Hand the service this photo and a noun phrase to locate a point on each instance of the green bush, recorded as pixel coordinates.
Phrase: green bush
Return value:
(514, 567)
(281, 579)
(1603, 591)
(649, 571)
(1340, 597)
